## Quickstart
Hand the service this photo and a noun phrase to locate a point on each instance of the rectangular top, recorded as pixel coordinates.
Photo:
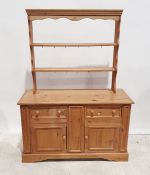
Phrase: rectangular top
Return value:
(74, 14)
(58, 97)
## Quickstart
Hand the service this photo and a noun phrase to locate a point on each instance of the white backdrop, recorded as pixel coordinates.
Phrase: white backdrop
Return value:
(134, 56)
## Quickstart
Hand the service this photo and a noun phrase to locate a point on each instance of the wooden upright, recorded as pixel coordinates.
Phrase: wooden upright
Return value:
(75, 124)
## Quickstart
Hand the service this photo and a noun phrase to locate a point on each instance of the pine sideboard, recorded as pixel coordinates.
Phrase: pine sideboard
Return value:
(75, 124)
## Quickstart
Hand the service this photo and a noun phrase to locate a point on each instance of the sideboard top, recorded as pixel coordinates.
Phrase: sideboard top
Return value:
(58, 97)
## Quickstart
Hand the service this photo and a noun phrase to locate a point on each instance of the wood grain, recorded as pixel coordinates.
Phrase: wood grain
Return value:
(25, 121)
(73, 69)
(115, 55)
(76, 129)
(48, 137)
(72, 44)
(78, 156)
(73, 14)
(67, 96)
(75, 124)
(39, 14)
(32, 54)
(125, 127)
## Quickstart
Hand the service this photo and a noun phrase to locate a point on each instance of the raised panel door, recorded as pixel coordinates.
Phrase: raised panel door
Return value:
(99, 139)
(48, 137)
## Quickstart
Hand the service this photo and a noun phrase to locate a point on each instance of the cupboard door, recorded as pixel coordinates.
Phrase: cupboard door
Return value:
(48, 137)
(99, 139)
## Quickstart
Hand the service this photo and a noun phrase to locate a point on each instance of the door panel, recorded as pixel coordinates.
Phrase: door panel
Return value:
(101, 139)
(76, 129)
(48, 137)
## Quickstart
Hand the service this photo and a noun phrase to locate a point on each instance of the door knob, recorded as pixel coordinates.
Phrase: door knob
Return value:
(86, 137)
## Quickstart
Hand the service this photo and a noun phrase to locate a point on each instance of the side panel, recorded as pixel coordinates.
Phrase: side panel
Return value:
(25, 120)
(125, 127)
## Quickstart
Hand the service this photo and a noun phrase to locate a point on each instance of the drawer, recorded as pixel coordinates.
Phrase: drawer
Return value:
(52, 114)
(100, 111)
(99, 116)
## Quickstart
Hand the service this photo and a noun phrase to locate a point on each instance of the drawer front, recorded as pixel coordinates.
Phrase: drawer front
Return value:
(100, 111)
(54, 114)
(103, 116)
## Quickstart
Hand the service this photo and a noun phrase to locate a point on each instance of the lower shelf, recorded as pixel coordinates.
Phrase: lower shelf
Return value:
(26, 158)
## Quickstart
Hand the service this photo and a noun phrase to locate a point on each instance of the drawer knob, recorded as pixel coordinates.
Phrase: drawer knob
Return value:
(92, 113)
(37, 113)
(58, 113)
(99, 113)
(113, 112)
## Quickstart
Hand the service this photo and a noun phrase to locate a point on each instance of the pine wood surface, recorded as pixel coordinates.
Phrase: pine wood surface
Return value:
(72, 44)
(74, 14)
(69, 123)
(74, 97)
(74, 69)
(79, 156)
(83, 130)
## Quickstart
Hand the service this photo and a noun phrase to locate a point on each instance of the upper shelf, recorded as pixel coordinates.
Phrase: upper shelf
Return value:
(72, 44)
(75, 15)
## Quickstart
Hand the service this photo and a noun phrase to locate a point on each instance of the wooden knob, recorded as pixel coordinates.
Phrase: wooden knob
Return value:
(92, 113)
(64, 138)
(37, 113)
(59, 113)
(99, 113)
(86, 137)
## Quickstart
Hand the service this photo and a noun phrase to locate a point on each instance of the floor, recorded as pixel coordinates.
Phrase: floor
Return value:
(139, 161)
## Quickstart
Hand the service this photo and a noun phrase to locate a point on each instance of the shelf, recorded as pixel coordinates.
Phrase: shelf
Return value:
(75, 15)
(72, 44)
(94, 69)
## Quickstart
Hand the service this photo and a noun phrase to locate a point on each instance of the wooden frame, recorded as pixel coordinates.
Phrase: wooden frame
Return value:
(75, 123)
(39, 14)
